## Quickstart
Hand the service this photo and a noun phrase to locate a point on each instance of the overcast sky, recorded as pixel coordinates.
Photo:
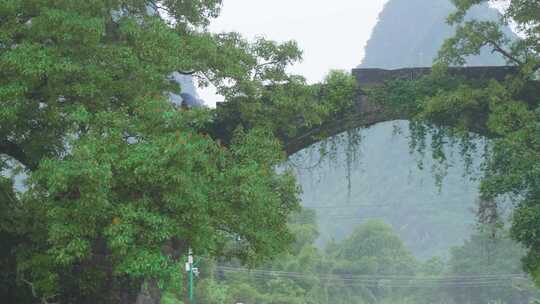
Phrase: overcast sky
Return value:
(332, 34)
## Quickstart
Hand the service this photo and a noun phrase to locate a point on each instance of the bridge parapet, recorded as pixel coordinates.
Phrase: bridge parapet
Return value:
(370, 77)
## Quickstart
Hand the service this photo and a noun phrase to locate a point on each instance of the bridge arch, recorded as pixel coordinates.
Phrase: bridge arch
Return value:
(365, 113)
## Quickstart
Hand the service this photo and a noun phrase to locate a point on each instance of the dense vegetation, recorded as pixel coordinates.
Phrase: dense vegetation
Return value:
(508, 112)
(121, 182)
(372, 266)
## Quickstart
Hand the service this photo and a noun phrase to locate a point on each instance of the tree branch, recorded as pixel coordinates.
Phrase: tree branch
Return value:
(258, 67)
(158, 7)
(497, 48)
(34, 293)
(267, 63)
(13, 150)
(187, 73)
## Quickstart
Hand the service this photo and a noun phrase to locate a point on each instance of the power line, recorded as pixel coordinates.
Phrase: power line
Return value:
(470, 279)
(350, 206)
(371, 276)
(340, 282)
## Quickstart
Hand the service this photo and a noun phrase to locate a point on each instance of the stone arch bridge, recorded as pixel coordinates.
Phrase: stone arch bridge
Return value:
(365, 113)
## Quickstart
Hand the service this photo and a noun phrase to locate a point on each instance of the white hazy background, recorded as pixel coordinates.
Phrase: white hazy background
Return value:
(332, 34)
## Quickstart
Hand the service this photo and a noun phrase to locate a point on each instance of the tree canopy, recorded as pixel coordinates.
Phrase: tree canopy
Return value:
(372, 266)
(507, 112)
(120, 181)
(513, 113)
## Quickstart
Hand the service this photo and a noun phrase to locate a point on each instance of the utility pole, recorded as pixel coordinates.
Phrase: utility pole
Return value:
(192, 270)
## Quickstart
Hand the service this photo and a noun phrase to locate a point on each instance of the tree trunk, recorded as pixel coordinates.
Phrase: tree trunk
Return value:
(149, 293)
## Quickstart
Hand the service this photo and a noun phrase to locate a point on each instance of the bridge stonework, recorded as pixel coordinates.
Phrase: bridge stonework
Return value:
(369, 77)
(365, 113)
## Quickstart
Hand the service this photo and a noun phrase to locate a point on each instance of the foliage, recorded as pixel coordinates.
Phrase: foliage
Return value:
(497, 255)
(292, 109)
(374, 248)
(514, 114)
(303, 275)
(121, 182)
(338, 275)
(507, 112)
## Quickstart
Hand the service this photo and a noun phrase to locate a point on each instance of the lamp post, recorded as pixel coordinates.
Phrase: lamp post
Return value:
(192, 270)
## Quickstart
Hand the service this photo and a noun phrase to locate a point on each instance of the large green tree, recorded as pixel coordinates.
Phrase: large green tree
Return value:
(120, 181)
(347, 273)
(513, 113)
(372, 250)
(507, 112)
(496, 255)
